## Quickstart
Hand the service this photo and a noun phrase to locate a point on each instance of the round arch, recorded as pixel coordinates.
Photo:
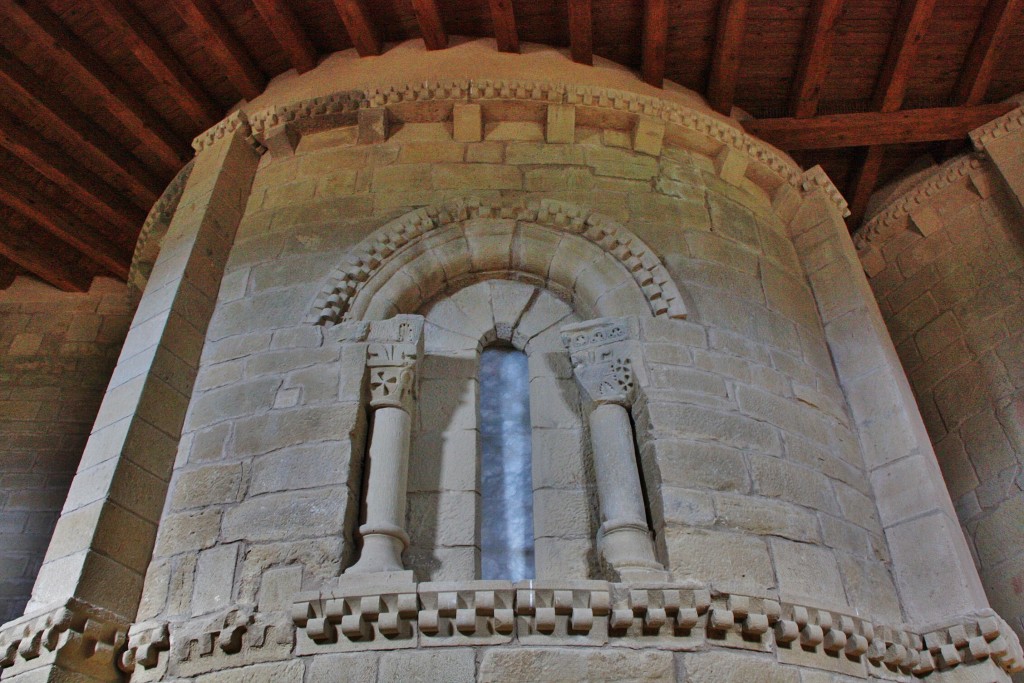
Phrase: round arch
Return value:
(595, 263)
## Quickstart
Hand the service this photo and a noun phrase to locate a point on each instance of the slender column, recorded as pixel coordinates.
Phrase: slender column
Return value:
(601, 352)
(392, 368)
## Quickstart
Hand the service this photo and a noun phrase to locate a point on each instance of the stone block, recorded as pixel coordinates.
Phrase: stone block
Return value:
(514, 130)
(215, 579)
(576, 664)
(717, 666)
(431, 152)
(485, 153)
(730, 562)
(685, 506)
(539, 153)
(728, 428)
(648, 135)
(731, 165)
(301, 467)
(475, 177)
(187, 532)
(204, 486)
(257, 673)
(285, 516)
(766, 517)
(776, 478)
(808, 575)
(698, 464)
(561, 513)
(372, 126)
(358, 667)
(443, 519)
(561, 127)
(621, 164)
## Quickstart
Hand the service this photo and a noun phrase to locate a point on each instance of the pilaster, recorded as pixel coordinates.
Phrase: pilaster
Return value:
(91, 580)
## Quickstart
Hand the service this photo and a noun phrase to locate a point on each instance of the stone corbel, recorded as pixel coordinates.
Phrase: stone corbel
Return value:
(605, 359)
(75, 637)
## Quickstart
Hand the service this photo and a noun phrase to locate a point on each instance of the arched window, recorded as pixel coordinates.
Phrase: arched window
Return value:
(506, 469)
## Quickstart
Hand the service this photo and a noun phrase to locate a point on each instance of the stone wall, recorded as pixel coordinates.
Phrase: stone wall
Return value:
(946, 259)
(720, 434)
(57, 351)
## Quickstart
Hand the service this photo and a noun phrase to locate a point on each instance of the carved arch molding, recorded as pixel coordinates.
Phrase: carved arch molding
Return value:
(596, 263)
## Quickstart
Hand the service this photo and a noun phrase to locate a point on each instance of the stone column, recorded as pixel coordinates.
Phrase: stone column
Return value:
(391, 363)
(602, 353)
(90, 583)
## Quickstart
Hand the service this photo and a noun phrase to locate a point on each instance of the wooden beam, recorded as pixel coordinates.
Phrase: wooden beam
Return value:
(55, 164)
(222, 46)
(289, 34)
(973, 82)
(158, 59)
(581, 31)
(812, 67)
(655, 38)
(911, 27)
(725, 60)
(864, 129)
(361, 29)
(503, 19)
(431, 25)
(8, 271)
(865, 178)
(41, 255)
(59, 115)
(73, 56)
(64, 226)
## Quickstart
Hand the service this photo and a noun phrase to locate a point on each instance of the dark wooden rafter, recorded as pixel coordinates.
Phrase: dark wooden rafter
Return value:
(361, 29)
(64, 226)
(40, 254)
(725, 59)
(503, 20)
(890, 90)
(158, 59)
(655, 41)
(288, 33)
(73, 56)
(865, 129)
(67, 122)
(911, 26)
(812, 67)
(220, 43)
(54, 163)
(974, 79)
(581, 31)
(8, 271)
(431, 26)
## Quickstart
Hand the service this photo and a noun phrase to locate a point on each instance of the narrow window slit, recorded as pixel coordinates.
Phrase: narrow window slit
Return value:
(506, 473)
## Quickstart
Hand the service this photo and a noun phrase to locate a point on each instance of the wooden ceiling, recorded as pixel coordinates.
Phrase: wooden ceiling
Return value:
(863, 87)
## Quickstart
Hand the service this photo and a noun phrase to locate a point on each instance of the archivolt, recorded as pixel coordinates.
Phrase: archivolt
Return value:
(596, 263)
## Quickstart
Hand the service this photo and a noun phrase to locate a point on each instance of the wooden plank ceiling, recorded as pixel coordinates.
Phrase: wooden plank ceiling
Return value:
(863, 87)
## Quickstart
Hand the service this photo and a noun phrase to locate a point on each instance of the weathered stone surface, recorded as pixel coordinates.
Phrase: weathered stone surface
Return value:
(606, 664)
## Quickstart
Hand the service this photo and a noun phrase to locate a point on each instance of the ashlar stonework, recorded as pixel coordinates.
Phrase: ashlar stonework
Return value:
(730, 479)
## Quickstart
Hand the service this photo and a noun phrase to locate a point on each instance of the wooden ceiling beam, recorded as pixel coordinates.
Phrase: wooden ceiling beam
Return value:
(222, 46)
(812, 67)
(362, 31)
(974, 79)
(8, 271)
(73, 56)
(64, 226)
(911, 27)
(865, 178)
(158, 59)
(81, 185)
(59, 115)
(41, 255)
(503, 19)
(864, 129)
(725, 60)
(288, 33)
(431, 24)
(581, 31)
(655, 41)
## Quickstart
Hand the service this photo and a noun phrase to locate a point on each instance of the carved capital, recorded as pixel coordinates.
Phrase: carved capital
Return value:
(394, 347)
(602, 353)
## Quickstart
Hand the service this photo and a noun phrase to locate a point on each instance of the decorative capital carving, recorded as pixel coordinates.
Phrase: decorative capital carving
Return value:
(394, 347)
(602, 358)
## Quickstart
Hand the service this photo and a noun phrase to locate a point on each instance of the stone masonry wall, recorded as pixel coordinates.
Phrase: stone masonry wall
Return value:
(949, 279)
(57, 351)
(756, 472)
